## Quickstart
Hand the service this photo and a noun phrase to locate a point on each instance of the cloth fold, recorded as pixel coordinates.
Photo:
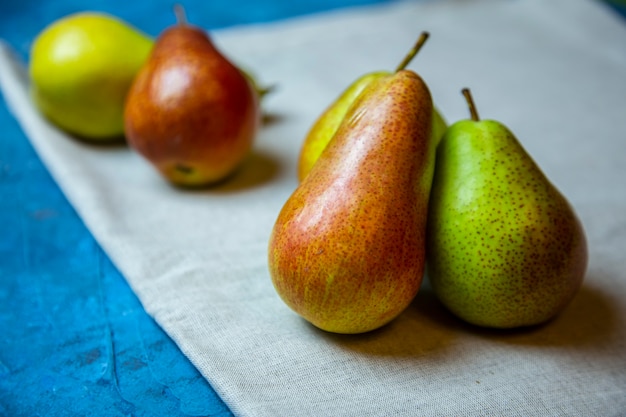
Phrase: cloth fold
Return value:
(551, 71)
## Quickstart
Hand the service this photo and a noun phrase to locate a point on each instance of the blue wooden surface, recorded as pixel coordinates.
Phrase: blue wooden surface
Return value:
(74, 339)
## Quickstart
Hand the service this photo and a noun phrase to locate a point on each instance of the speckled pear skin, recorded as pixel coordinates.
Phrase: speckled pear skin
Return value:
(505, 248)
(347, 249)
(328, 122)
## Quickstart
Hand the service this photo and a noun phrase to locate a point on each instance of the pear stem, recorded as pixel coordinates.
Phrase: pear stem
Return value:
(470, 103)
(181, 16)
(409, 57)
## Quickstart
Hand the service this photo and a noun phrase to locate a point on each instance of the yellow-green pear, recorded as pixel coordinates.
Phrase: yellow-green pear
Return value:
(81, 67)
(505, 248)
(347, 249)
(327, 123)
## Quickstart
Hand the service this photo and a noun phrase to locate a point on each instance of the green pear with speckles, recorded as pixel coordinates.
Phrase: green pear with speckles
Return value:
(504, 247)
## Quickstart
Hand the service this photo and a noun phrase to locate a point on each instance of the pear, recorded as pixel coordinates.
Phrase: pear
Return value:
(81, 67)
(505, 248)
(327, 123)
(190, 111)
(347, 249)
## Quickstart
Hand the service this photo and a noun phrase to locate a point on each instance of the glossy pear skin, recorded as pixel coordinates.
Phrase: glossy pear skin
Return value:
(505, 248)
(81, 68)
(327, 123)
(347, 250)
(190, 111)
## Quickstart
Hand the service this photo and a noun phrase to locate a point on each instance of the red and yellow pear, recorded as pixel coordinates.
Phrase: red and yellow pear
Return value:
(190, 111)
(347, 249)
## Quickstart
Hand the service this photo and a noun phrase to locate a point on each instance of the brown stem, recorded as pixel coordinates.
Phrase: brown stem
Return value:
(470, 103)
(181, 16)
(418, 45)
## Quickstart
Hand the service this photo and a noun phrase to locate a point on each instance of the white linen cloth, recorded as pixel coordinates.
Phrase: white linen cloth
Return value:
(554, 72)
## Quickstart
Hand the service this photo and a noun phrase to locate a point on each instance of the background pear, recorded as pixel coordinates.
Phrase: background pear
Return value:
(190, 111)
(327, 123)
(81, 68)
(505, 248)
(347, 249)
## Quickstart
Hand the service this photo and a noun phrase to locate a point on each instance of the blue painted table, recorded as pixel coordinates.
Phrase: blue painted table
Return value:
(74, 339)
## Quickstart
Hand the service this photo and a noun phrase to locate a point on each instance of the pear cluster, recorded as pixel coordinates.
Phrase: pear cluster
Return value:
(177, 100)
(387, 191)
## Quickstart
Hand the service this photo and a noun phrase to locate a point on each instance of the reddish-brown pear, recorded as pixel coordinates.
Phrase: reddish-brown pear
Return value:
(190, 111)
(347, 249)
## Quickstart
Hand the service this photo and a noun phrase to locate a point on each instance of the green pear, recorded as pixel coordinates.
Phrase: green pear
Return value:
(505, 248)
(81, 68)
(347, 249)
(327, 123)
